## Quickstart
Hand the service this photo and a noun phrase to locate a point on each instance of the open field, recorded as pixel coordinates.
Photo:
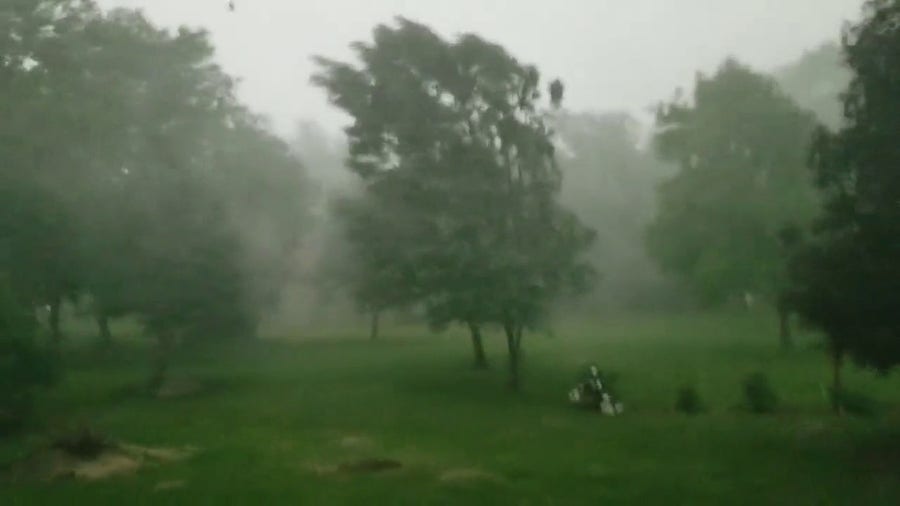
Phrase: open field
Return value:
(282, 416)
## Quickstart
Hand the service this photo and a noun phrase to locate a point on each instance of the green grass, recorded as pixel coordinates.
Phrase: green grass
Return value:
(282, 407)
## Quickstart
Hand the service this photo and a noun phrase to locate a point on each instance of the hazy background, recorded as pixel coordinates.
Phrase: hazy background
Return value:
(612, 54)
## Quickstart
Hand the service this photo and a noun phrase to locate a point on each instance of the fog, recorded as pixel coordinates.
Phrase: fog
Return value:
(612, 54)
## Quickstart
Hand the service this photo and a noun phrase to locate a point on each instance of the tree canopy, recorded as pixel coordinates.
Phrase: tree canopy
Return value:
(740, 144)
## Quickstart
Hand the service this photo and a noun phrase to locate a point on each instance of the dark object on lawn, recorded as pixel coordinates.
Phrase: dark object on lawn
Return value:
(759, 395)
(854, 403)
(689, 401)
(84, 444)
(597, 391)
(369, 466)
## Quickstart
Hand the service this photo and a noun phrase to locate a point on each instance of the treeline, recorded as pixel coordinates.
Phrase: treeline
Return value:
(132, 178)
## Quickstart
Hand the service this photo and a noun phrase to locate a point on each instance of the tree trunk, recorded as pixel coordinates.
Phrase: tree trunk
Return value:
(784, 327)
(837, 384)
(55, 308)
(514, 346)
(478, 347)
(166, 341)
(103, 326)
(373, 330)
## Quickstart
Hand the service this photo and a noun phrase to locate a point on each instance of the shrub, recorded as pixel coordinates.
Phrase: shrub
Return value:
(22, 365)
(854, 403)
(759, 395)
(689, 401)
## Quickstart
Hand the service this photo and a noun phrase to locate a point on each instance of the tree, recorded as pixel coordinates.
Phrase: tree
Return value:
(845, 276)
(156, 193)
(741, 147)
(460, 179)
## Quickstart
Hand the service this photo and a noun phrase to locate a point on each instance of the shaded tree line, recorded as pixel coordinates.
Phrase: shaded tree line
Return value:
(132, 177)
(799, 206)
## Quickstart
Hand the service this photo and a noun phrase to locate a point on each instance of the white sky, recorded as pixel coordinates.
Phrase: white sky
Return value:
(612, 54)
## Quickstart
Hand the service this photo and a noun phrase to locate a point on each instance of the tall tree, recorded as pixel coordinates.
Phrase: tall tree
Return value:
(740, 145)
(460, 172)
(846, 275)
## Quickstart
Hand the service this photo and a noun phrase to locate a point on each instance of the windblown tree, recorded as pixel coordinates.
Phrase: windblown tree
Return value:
(460, 179)
(846, 276)
(740, 145)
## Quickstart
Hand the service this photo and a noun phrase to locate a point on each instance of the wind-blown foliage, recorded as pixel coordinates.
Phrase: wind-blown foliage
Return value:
(460, 210)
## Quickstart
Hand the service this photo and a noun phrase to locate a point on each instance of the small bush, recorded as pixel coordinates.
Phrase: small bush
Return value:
(689, 401)
(759, 395)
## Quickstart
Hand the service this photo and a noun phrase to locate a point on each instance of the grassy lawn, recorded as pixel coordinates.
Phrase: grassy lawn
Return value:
(284, 410)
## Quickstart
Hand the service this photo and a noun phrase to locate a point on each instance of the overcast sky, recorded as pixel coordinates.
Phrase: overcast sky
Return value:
(612, 54)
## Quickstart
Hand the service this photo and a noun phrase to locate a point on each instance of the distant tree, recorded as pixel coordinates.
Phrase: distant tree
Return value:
(460, 174)
(740, 145)
(381, 273)
(610, 183)
(816, 82)
(846, 276)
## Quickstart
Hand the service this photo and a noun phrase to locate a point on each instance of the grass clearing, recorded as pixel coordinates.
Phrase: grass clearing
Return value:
(298, 420)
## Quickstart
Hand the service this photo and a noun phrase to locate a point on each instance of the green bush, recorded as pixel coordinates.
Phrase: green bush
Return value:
(689, 401)
(759, 395)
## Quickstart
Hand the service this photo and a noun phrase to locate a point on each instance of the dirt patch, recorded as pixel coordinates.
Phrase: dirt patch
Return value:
(85, 459)
(355, 442)
(178, 388)
(169, 485)
(468, 475)
(159, 454)
(365, 466)
(356, 467)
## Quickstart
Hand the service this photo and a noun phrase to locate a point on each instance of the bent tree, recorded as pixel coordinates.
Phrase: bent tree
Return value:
(460, 181)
